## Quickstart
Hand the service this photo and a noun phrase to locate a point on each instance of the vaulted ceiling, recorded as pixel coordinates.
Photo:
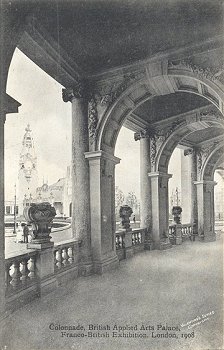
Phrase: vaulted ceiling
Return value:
(101, 34)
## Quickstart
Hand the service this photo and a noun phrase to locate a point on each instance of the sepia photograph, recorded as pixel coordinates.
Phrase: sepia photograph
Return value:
(111, 174)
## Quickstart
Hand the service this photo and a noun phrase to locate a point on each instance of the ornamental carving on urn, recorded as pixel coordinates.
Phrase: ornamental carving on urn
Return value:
(176, 212)
(125, 213)
(40, 215)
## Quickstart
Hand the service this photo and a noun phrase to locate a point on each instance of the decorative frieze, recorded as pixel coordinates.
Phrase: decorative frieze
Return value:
(106, 94)
(212, 74)
(158, 136)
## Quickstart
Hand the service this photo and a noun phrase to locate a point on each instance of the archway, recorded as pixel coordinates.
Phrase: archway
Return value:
(160, 142)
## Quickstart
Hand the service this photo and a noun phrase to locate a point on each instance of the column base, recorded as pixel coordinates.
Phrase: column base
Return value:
(85, 269)
(207, 238)
(106, 264)
(148, 245)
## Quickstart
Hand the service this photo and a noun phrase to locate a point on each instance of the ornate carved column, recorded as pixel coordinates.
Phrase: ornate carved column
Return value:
(102, 202)
(160, 209)
(205, 200)
(145, 184)
(78, 96)
(2, 211)
(188, 189)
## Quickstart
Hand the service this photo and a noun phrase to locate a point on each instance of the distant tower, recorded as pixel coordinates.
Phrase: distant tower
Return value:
(28, 178)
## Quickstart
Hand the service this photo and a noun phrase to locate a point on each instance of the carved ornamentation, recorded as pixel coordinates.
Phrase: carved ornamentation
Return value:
(212, 112)
(78, 91)
(153, 149)
(93, 119)
(142, 134)
(107, 94)
(207, 73)
(40, 215)
(188, 151)
(176, 212)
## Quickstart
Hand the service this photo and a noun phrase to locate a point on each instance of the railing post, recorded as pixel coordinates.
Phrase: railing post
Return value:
(178, 234)
(41, 216)
(125, 213)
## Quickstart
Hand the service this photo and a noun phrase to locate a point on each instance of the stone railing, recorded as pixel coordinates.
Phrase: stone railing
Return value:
(186, 231)
(137, 237)
(119, 240)
(21, 279)
(181, 232)
(23, 272)
(128, 242)
(172, 233)
(20, 272)
(65, 255)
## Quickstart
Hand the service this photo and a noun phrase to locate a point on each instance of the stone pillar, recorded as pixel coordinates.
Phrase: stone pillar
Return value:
(2, 211)
(186, 199)
(206, 215)
(160, 210)
(80, 174)
(190, 166)
(145, 184)
(102, 203)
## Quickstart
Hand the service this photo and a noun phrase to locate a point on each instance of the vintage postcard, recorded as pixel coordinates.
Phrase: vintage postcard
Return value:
(111, 174)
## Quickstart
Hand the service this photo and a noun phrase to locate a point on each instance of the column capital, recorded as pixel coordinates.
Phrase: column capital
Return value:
(101, 155)
(189, 151)
(142, 134)
(78, 91)
(160, 174)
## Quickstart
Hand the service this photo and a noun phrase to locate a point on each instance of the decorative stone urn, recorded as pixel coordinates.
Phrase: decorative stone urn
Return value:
(125, 213)
(176, 212)
(40, 215)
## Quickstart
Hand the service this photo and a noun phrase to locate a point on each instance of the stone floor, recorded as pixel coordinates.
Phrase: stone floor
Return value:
(170, 287)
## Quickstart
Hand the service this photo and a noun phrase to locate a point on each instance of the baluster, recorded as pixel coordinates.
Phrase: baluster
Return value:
(15, 282)
(136, 238)
(32, 268)
(139, 237)
(24, 270)
(117, 241)
(64, 257)
(59, 258)
(133, 238)
(8, 277)
(120, 241)
(123, 242)
(70, 255)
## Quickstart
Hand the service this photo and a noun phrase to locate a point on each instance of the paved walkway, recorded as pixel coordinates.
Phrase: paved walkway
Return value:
(153, 289)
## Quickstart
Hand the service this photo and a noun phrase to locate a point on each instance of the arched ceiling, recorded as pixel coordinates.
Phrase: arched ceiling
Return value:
(102, 34)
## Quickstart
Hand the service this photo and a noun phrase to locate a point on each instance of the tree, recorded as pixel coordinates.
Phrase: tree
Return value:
(119, 198)
(132, 200)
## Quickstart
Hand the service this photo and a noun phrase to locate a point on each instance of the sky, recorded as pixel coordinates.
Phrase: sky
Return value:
(50, 121)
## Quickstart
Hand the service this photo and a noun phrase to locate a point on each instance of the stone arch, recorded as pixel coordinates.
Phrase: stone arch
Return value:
(212, 161)
(178, 133)
(155, 80)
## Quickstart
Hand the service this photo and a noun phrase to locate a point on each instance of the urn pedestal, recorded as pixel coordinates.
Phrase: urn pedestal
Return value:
(41, 216)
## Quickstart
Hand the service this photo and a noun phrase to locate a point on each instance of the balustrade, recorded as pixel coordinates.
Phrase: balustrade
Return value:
(119, 240)
(20, 271)
(64, 255)
(186, 231)
(136, 238)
